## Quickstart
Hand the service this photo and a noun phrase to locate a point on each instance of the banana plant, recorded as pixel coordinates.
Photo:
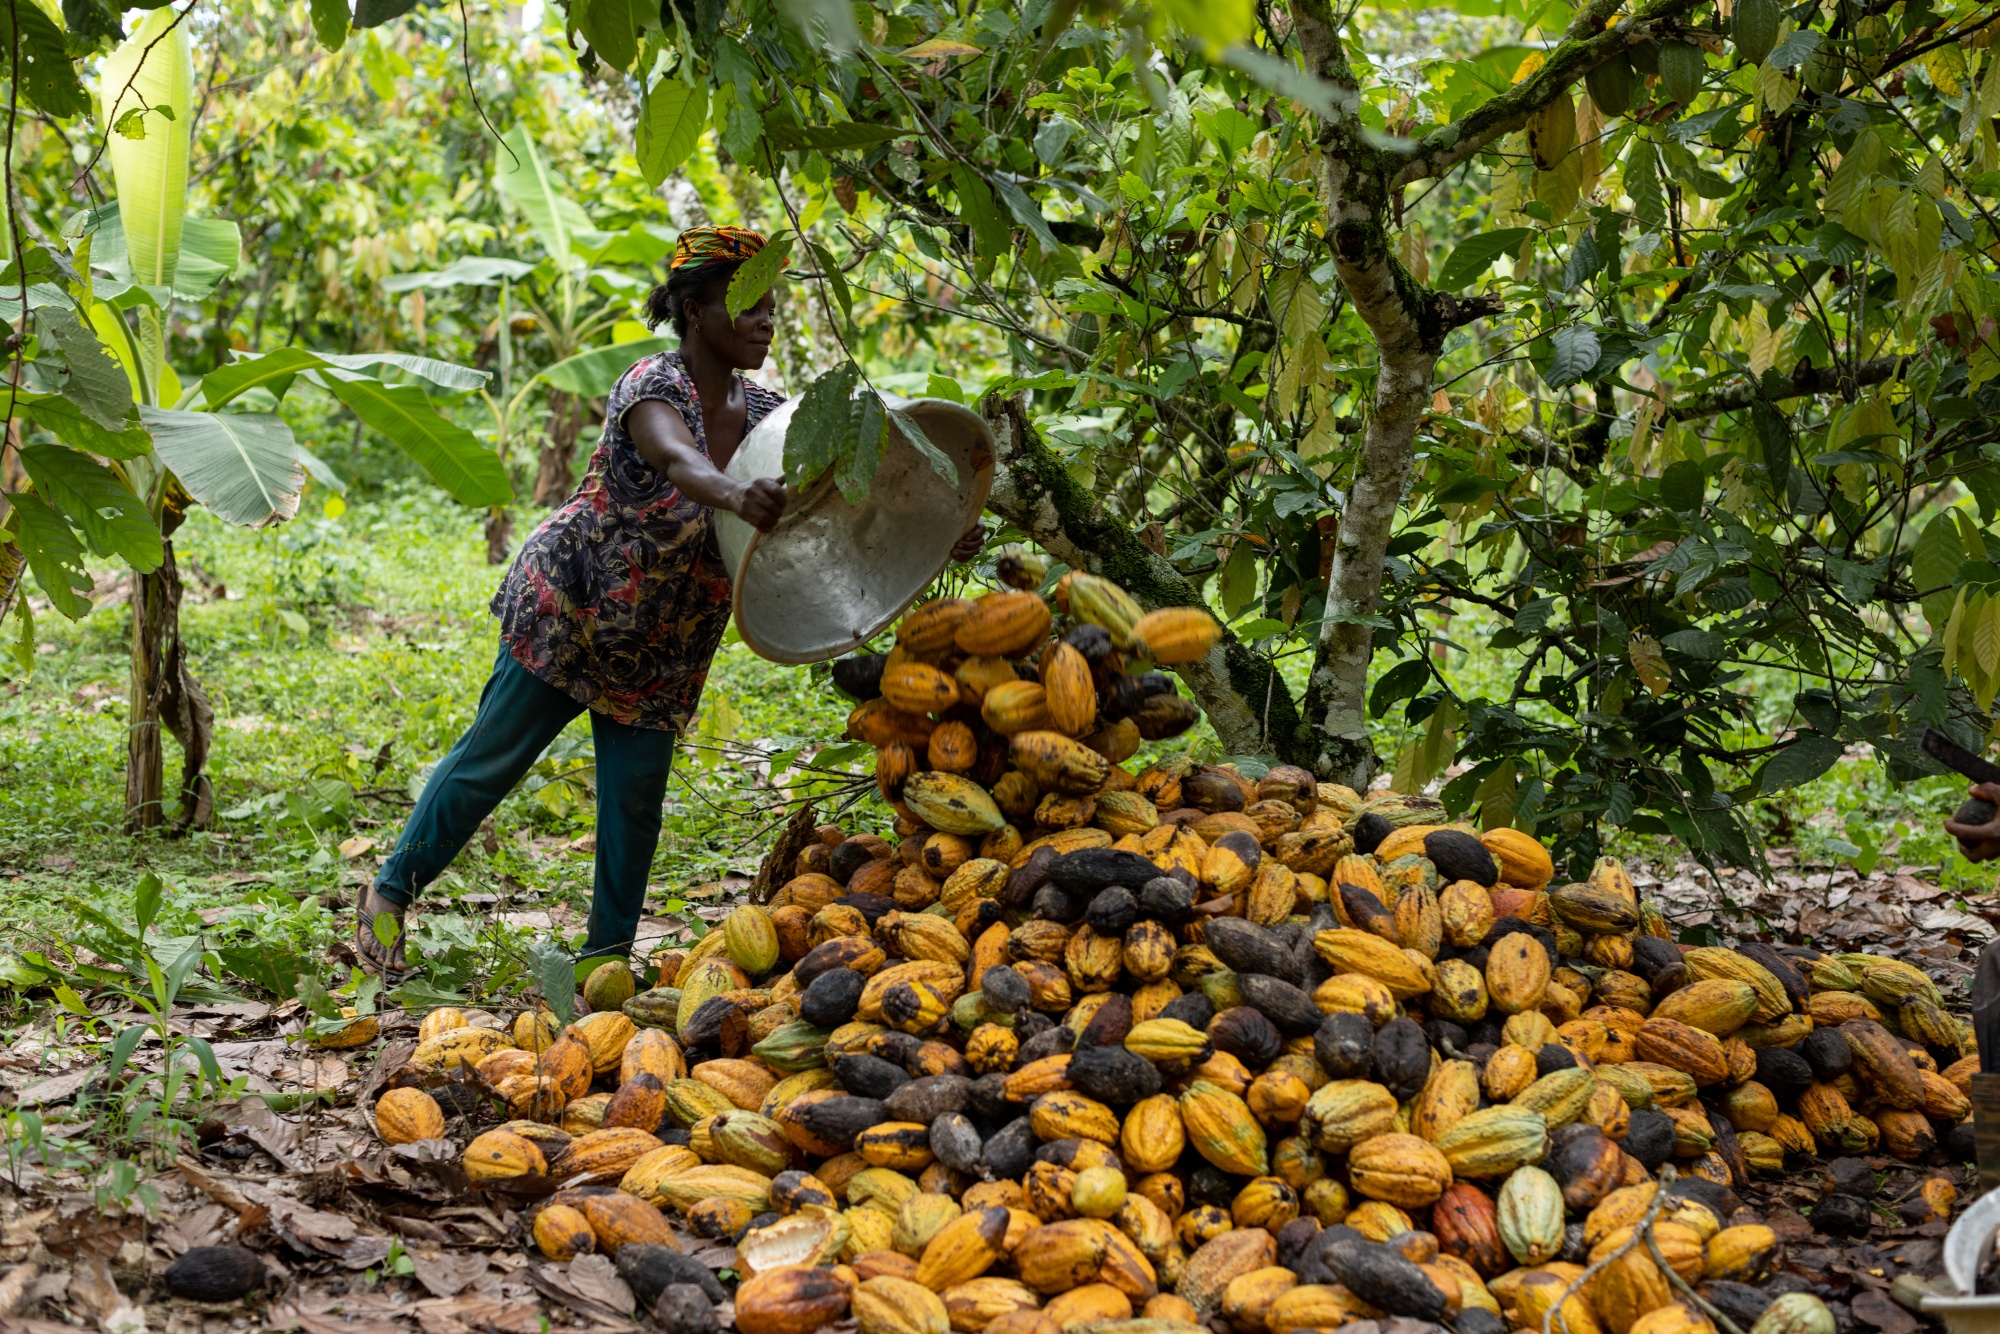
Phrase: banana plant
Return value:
(119, 444)
(572, 294)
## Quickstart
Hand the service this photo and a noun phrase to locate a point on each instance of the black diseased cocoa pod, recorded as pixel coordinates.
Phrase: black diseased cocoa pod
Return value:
(1113, 911)
(867, 1076)
(859, 677)
(1209, 1184)
(872, 906)
(840, 952)
(1212, 792)
(1574, 1251)
(988, 1100)
(1384, 1279)
(839, 1120)
(1720, 1199)
(1369, 831)
(1402, 1059)
(1248, 1036)
(1056, 903)
(1507, 926)
(1651, 956)
(1586, 1165)
(1783, 969)
(650, 1270)
(1739, 1301)
(1957, 1143)
(1109, 1026)
(925, 1100)
(458, 1099)
(1005, 991)
(1113, 1075)
(1344, 1046)
(718, 1024)
(1849, 1176)
(1025, 879)
(956, 1143)
(1245, 947)
(1785, 1072)
(1444, 1034)
(1477, 1320)
(1826, 1052)
(1092, 869)
(215, 1274)
(1191, 1009)
(1842, 1216)
(1282, 1003)
(1296, 1242)
(1553, 1057)
(1459, 856)
(848, 858)
(1010, 1151)
(832, 998)
(1730, 1150)
(1487, 1032)
(1367, 912)
(1649, 1138)
(1167, 901)
(1092, 641)
(682, 1308)
(1053, 1041)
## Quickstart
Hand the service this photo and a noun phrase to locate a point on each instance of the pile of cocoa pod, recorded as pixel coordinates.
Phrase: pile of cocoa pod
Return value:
(1141, 1048)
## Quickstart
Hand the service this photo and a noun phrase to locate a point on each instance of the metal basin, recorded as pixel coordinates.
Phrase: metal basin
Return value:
(831, 574)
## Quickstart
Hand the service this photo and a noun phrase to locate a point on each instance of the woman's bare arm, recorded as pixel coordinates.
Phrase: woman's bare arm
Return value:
(663, 440)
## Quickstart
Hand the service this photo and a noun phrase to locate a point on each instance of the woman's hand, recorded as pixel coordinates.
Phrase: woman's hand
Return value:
(761, 503)
(1979, 842)
(971, 544)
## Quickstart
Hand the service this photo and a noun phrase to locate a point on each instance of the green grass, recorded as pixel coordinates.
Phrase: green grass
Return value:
(345, 657)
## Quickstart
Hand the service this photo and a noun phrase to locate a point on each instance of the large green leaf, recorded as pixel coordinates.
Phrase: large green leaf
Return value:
(111, 518)
(447, 451)
(470, 271)
(329, 20)
(46, 77)
(79, 430)
(607, 26)
(670, 124)
(533, 186)
(152, 73)
(91, 380)
(274, 371)
(592, 374)
(444, 374)
(242, 465)
(754, 279)
(1474, 255)
(53, 552)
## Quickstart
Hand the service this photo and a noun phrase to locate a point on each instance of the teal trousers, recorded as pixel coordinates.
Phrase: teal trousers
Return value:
(519, 715)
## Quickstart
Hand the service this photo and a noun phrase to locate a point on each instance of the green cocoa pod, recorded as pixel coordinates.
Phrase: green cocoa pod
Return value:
(1754, 27)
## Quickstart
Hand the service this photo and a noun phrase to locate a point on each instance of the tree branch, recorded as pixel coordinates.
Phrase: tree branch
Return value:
(1581, 52)
(1806, 380)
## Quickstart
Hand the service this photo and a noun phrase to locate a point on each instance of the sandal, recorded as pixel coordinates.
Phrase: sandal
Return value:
(386, 962)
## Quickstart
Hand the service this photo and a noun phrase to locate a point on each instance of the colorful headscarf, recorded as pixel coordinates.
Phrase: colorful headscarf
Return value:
(699, 245)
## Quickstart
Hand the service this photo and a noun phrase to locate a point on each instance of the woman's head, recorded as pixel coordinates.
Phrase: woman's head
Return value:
(693, 298)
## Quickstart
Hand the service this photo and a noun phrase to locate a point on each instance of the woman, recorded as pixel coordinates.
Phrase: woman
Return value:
(615, 604)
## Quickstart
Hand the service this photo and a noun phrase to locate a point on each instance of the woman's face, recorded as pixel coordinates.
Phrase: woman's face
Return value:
(742, 343)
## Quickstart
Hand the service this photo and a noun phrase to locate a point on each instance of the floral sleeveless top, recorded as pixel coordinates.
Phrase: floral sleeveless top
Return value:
(619, 598)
